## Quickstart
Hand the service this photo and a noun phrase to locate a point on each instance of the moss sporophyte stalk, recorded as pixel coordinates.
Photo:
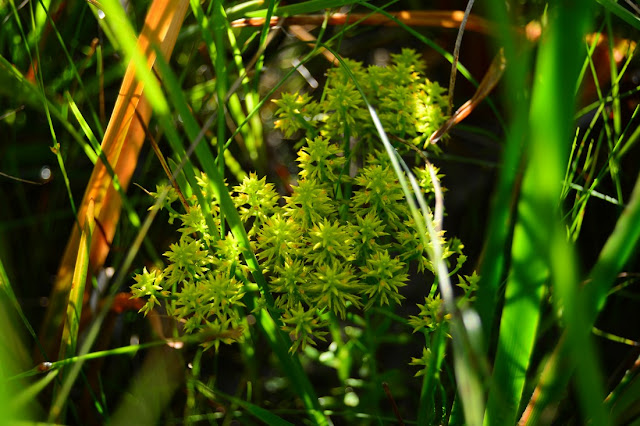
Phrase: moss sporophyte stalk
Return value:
(341, 241)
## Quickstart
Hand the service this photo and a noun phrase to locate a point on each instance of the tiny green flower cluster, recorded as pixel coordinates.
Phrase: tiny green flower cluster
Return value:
(343, 240)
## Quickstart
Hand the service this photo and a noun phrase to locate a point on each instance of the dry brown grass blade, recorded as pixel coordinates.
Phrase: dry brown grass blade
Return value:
(121, 145)
(417, 18)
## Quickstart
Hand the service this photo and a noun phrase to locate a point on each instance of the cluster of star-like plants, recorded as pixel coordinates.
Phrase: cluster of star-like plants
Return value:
(344, 238)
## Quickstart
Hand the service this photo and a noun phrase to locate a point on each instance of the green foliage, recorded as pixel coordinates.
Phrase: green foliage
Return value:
(340, 241)
(410, 106)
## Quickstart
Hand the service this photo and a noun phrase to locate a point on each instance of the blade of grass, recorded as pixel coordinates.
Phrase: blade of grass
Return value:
(437, 346)
(253, 135)
(9, 294)
(301, 8)
(74, 306)
(71, 64)
(623, 400)
(13, 357)
(615, 253)
(40, 82)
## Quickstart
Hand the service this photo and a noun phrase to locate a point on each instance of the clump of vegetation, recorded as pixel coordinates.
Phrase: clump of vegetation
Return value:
(338, 242)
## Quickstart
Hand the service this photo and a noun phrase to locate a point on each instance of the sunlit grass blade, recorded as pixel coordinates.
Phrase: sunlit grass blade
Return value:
(500, 222)
(301, 8)
(614, 255)
(253, 133)
(74, 306)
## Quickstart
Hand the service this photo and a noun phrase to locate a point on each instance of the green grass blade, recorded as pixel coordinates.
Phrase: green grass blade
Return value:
(22, 91)
(9, 294)
(540, 248)
(16, 403)
(72, 66)
(521, 313)
(437, 346)
(614, 255)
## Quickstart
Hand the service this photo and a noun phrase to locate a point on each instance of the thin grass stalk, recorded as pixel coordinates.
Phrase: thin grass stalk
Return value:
(254, 134)
(621, 12)
(29, 94)
(437, 347)
(39, 80)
